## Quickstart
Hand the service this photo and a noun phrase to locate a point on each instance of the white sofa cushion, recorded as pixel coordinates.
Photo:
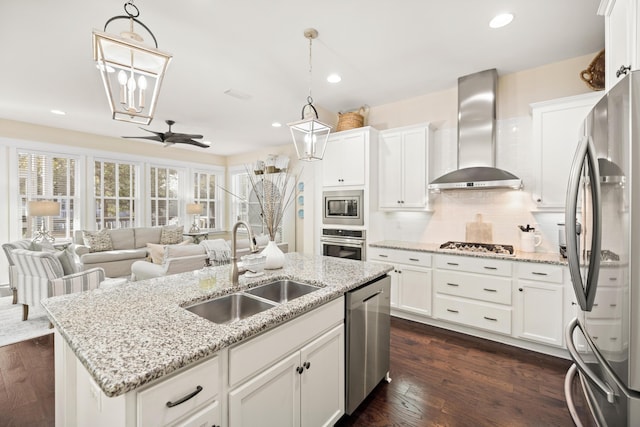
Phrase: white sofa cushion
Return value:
(122, 238)
(144, 235)
(156, 250)
(178, 251)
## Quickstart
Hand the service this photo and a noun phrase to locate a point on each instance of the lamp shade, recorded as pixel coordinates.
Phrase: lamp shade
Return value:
(194, 208)
(310, 138)
(43, 208)
(130, 73)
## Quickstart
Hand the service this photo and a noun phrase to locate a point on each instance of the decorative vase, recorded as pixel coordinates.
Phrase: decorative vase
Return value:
(275, 256)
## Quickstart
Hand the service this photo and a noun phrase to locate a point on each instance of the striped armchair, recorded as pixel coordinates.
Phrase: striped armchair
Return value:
(40, 275)
(13, 272)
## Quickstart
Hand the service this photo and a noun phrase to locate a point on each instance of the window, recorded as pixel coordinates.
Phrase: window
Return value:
(44, 176)
(245, 205)
(115, 186)
(164, 189)
(204, 193)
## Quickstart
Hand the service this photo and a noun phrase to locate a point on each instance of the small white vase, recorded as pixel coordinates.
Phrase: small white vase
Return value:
(275, 256)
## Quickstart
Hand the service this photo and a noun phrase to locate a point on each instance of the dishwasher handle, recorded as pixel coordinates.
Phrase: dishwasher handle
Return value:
(372, 296)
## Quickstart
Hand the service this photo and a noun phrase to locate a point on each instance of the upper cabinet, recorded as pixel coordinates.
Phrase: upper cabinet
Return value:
(621, 25)
(403, 164)
(556, 131)
(344, 162)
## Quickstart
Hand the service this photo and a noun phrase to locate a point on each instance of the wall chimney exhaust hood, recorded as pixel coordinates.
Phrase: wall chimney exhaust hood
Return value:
(476, 138)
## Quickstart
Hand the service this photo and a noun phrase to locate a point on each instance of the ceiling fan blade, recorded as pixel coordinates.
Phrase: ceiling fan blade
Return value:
(174, 136)
(160, 134)
(192, 142)
(151, 138)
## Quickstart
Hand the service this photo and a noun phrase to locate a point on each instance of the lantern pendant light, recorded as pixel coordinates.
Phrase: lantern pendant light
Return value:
(130, 70)
(310, 135)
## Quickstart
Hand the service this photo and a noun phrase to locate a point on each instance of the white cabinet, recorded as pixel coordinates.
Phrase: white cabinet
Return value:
(403, 164)
(344, 162)
(304, 389)
(474, 292)
(556, 132)
(622, 47)
(410, 278)
(540, 303)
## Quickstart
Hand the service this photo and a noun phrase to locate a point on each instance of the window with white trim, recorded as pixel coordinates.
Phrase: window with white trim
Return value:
(115, 188)
(44, 176)
(245, 205)
(205, 193)
(164, 195)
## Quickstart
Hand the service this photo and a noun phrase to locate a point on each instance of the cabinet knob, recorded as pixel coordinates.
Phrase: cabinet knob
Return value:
(299, 370)
(520, 289)
(398, 202)
(623, 70)
(307, 365)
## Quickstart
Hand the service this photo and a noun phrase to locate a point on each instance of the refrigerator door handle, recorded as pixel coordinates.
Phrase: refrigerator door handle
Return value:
(585, 293)
(582, 366)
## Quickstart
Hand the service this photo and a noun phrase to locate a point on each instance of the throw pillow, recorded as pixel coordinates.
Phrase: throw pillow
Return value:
(66, 259)
(98, 241)
(171, 234)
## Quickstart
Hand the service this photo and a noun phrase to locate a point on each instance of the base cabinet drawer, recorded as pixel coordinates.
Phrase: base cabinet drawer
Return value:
(171, 399)
(209, 416)
(471, 313)
(474, 286)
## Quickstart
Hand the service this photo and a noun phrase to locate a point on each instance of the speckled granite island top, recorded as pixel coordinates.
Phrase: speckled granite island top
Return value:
(131, 334)
(545, 258)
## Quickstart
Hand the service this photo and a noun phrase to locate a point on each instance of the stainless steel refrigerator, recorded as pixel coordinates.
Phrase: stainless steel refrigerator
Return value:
(603, 247)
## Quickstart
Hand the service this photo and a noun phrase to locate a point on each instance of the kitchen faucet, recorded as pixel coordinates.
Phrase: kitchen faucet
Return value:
(235, 272)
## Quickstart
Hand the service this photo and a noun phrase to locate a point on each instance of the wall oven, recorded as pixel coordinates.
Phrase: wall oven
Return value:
(349, 244)
(343, 207)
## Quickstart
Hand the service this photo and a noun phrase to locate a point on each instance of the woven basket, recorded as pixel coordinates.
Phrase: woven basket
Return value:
(350, 120)
(593, 76)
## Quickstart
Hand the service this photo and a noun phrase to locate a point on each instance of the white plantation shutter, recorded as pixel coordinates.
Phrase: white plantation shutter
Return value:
(116, 198)
(164, 186)
(44, 176)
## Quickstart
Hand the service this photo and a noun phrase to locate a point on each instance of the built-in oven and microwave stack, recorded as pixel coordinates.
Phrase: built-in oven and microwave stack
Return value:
(603, 194)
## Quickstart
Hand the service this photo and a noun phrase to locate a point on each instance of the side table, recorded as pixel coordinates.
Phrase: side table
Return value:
(197, 236)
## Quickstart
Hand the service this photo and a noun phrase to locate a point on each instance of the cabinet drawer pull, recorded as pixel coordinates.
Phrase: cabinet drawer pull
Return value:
(490, 268)
(538, 273)
(613, 279)
(613, 305)
(453, 263)
(490, 290)
(453, 284)
(414, 259)
(383, 256)
(452, 311)
(171, 404)
(493, 319)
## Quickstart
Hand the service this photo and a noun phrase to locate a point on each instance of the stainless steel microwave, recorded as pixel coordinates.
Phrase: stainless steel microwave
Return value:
(343, 207)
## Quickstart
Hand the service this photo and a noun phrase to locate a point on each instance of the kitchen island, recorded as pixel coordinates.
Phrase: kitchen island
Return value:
(122, 341)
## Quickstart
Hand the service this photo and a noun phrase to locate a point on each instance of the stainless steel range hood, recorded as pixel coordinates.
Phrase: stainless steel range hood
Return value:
(476, 138)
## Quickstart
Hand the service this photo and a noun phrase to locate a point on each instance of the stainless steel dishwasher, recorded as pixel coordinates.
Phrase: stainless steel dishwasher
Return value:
(367, 339)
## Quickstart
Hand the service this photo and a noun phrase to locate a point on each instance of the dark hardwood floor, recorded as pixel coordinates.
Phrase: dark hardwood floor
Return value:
(440, 378)
(27, 383)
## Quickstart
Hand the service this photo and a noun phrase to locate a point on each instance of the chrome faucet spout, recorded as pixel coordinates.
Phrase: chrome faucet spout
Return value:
(235, 271)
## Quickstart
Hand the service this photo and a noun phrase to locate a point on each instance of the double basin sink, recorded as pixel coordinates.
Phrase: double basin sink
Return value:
(234, 307)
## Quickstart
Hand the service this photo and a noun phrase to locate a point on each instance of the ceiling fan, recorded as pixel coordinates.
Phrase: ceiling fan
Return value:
(170, 138)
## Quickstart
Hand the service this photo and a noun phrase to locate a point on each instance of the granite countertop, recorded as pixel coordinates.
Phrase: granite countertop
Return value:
(130, 334)
(540, 257)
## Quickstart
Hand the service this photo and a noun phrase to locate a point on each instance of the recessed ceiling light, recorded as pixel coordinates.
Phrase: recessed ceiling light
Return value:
(334, 78)
(276, 124)
(501, 20)
(58, 112)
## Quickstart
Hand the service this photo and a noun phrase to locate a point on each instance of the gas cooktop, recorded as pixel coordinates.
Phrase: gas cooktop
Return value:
(489, 248)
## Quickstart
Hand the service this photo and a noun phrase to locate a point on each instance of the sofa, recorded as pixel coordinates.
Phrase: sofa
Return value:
(178, 258)
(116, 250)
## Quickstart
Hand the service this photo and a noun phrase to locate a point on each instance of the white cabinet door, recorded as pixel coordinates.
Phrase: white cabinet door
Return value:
(414, 289)
(390, 182)
(209, 416)
(344, 159)
(403, 169)
(540, 308)
(622, 19)
(271, 398)
(556, 132)
(322, 389)
(415, 169)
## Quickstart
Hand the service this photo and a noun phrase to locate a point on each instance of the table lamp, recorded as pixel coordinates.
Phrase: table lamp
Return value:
(43, 208)
(194, 209)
